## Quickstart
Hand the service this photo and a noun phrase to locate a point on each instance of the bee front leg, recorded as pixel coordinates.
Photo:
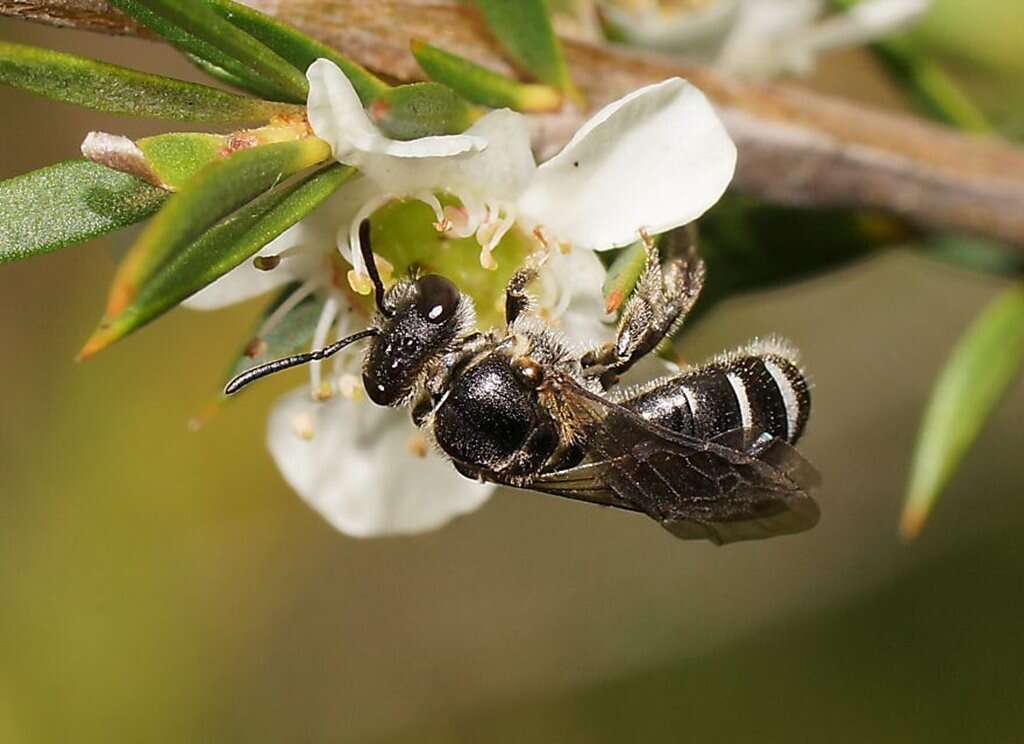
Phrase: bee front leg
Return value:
(659, 304)
(517, 301)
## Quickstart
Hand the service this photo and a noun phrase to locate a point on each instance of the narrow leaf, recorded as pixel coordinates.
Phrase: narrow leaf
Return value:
(182, 22)
(421, 110)
(625, 270)
(67, 203)
(215, 192)
(480, 85)
(985, 361)
(207, 57)
(623, 274)
(219, 250)
(176, 158)
(523, 27)
(228, 78)
(120, 90)
(297, 48)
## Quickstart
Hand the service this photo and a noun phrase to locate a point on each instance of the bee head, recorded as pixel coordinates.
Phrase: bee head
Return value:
(419, 321)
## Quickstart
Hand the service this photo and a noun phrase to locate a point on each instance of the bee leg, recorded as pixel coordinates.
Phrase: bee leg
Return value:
(657, 307)
(517, 301)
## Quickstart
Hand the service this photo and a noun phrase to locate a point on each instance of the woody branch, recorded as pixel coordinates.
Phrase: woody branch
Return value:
(796, 147)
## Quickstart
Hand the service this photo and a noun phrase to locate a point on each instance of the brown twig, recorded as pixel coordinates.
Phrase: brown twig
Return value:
(796, 147)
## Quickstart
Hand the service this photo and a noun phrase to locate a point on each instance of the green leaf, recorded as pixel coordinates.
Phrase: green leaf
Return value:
(421, 110)
(120, 90)
(186, 22)
(297, 48)
(215, 192)
(623, 274)
(524, 29)
(228, 78)
(176, 158)
(481, 85)
(207, 57)
(67, 203)
(222, 248)
(985, 361)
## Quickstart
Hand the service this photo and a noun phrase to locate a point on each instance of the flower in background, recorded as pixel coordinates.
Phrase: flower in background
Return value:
(652, 161)
(757, 38)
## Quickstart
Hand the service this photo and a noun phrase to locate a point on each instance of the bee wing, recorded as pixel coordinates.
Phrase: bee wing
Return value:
(739, 486)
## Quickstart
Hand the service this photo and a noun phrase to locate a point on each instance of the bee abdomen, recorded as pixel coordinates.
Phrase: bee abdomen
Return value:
(760, 388)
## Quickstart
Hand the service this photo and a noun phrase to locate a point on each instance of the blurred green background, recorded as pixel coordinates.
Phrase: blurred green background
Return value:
(163, 585)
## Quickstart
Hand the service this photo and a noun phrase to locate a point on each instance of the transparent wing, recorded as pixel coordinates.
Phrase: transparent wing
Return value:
(740, 486)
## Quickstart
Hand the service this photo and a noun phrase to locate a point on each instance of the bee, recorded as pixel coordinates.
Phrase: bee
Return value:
(708, 453)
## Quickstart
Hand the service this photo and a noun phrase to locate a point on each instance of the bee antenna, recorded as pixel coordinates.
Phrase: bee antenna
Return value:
(262, 370)
(371, 267)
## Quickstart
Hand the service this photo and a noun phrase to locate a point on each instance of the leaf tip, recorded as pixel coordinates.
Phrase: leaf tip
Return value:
(543, 99)
(109, 330)
(95, 344)
(614, 301)
(912, 521)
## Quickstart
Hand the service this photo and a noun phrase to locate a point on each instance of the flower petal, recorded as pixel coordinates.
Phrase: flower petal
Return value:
(351, 461)
(499, 173)
(763, 42)
(337, 116)
(695, 32)
(576, 280)
(864, 22)
(654, 160)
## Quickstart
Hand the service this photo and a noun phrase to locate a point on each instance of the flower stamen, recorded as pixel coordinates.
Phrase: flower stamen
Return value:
(358, 278)
(323, 327)
(304, 425)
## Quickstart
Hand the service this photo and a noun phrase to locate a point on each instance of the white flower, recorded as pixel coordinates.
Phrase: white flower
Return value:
(762, 38)
(654, 160)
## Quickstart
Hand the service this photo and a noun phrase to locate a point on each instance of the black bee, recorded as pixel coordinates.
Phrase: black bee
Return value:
(707, 453)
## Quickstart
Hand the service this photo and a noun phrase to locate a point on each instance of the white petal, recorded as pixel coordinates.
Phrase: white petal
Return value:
(764, 41)
(578, 278)
(503, 170)
(762, 19)
(357, 470)
(337, 116)
(654, 160)
(695, 33)
(499, 172)
(864, 22)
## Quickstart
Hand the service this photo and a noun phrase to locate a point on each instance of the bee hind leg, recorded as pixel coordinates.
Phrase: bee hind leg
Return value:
(660, 302)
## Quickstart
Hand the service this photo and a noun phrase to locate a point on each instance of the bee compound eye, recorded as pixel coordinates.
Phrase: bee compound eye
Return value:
(437, 298)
